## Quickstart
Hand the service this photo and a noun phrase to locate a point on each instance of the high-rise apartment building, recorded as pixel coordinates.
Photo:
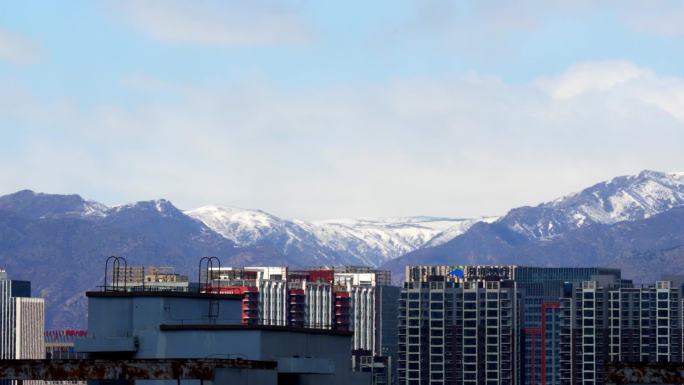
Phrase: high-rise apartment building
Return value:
(22, 323)
(459, 332)
(357, 299)
(539, 290)
(22, 320)
(601, 323)
(374, 310)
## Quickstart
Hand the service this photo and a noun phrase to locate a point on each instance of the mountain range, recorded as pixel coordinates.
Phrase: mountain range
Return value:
(632, 222)
(362, 241)
(60, 242)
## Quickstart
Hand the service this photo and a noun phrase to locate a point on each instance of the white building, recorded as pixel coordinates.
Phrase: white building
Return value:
(22, 320)
(22, 323)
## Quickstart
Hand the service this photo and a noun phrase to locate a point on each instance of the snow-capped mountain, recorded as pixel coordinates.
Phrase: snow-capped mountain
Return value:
(632, 222)
(245, 227)
(256, 228)
(369, 241)
(624, 198)
(377, 240)
(456, 230)
(635, 223)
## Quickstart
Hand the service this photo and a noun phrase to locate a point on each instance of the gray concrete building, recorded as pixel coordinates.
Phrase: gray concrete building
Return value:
(137, 325)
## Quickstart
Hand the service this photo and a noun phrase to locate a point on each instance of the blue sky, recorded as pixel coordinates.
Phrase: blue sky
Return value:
(328, 109)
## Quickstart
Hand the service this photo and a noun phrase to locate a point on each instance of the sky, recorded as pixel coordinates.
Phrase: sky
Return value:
(321, 109)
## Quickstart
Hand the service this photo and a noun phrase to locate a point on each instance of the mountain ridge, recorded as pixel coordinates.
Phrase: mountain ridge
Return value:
(585, 227)
(59, 242)
(370, 241)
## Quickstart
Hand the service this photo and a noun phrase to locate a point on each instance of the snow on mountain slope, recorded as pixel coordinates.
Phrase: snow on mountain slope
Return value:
(624, 198)
(244, 227)
(377, 239)
(458, 229)
(370, 241)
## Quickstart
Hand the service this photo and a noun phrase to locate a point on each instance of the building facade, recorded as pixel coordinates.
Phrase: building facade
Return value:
(149, 278)
(22, 323)
(356, 299)
(22, 320)
(602, 323)
(459, 332)
(538, 291)
(176, 325)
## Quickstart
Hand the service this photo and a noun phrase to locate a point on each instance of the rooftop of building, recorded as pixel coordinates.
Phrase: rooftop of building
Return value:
(160, 293)
(241, 327)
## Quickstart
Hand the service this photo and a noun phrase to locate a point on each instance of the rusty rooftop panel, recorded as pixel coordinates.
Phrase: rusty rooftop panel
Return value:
(644, 373)
(134, 369)
(174, 294)
(234, 327)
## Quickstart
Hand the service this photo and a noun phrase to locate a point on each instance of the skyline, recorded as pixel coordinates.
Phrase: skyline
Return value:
(318, 110)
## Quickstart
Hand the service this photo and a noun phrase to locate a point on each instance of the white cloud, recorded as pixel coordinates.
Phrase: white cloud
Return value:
(590, 77)
(17, 49)
(613, 80)
(446, 145)
(222, 23)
